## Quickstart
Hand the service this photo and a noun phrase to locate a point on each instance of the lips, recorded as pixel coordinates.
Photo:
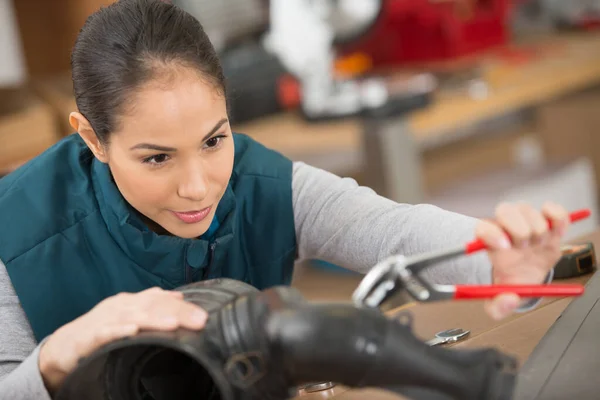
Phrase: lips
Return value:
(192, 217)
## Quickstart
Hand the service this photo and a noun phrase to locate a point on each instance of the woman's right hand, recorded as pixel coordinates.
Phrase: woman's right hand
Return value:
(114, 318)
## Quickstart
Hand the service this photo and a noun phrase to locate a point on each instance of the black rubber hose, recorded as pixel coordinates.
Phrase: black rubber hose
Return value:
(362, 348)
(261, 345)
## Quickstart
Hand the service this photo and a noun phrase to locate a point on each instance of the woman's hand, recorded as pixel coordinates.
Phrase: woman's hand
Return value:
(114, 318)
(527, 254)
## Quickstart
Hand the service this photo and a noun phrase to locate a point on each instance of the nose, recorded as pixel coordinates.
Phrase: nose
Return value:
(193, 183)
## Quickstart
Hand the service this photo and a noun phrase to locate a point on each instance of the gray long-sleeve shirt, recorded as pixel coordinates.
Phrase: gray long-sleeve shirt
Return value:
(336, 221)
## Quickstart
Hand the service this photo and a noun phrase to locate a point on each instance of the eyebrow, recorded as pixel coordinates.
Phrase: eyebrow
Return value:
(150, 146)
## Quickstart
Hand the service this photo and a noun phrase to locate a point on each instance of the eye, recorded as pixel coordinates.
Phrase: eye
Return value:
(156, 159)
(214, 141)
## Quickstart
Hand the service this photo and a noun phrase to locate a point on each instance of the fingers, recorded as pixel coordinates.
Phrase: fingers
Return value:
(493, 236)
(524, 224)
(558, 216)
(512, 219)
(159, 291)
(191, 316)
(162, 310)
(536, 221)
(152, 309)
(502, 305)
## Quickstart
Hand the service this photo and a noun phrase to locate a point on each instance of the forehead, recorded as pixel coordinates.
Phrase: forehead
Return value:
(182, 107)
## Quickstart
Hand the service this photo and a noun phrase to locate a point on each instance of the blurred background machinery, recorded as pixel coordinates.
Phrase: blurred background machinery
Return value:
(284, 54)
(332, 58)
(414, 98)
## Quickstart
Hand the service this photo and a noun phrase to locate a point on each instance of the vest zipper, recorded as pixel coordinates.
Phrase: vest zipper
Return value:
(211, 254)
(188, 269)
(189, 272)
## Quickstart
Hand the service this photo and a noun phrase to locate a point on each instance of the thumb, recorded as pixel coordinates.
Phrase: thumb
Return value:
(502, 305)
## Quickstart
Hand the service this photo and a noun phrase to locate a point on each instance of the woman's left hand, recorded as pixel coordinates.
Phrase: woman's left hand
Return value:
(521, 248)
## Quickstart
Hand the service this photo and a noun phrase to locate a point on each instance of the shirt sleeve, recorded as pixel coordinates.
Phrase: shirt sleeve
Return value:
(20, 377)
(340, 222)
(348, 225)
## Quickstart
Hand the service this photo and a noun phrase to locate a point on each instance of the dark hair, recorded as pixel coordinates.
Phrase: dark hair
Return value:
(126, 44)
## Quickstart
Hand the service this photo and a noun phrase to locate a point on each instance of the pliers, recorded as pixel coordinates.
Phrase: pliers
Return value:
(398, 273)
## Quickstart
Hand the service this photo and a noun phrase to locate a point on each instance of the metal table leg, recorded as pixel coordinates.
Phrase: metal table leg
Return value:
(393, 161)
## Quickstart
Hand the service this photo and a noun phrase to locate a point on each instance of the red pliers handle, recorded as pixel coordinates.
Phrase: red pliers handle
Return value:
(403, 273)
(462, 292)
(477, 245)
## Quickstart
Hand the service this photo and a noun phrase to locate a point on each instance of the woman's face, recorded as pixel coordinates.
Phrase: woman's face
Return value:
(172, 155)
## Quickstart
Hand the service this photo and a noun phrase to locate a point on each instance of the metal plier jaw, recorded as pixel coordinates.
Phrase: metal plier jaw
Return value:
(397, 273)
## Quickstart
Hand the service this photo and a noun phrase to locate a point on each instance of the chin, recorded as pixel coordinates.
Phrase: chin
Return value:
(192, 232)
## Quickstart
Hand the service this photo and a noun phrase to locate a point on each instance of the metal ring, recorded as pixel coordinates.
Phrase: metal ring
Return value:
(316, 387)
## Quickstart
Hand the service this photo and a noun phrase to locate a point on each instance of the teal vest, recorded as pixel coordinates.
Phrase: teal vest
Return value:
(69, 239)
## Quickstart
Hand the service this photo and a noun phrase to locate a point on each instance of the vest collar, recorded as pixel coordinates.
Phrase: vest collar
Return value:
(162, 255)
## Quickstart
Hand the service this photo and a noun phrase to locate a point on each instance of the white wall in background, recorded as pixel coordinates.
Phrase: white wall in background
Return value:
(12, 64)
(571, 184)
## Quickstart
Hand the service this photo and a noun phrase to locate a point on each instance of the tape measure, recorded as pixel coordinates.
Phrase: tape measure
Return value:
(576, 260)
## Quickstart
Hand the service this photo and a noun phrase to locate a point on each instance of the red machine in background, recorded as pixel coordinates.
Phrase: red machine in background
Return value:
(409, 31)
(325, 56)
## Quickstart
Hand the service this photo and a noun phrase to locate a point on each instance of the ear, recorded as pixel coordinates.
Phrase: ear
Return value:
(87, 133)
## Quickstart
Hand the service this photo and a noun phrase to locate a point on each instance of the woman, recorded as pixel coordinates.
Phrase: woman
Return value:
(155, 191)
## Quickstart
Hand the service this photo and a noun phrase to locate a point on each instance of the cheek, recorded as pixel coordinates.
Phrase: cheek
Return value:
(139, 185)
(220, 167)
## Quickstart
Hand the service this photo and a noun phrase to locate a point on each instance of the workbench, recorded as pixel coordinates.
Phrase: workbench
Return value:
(389, 151)
(517, 335)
